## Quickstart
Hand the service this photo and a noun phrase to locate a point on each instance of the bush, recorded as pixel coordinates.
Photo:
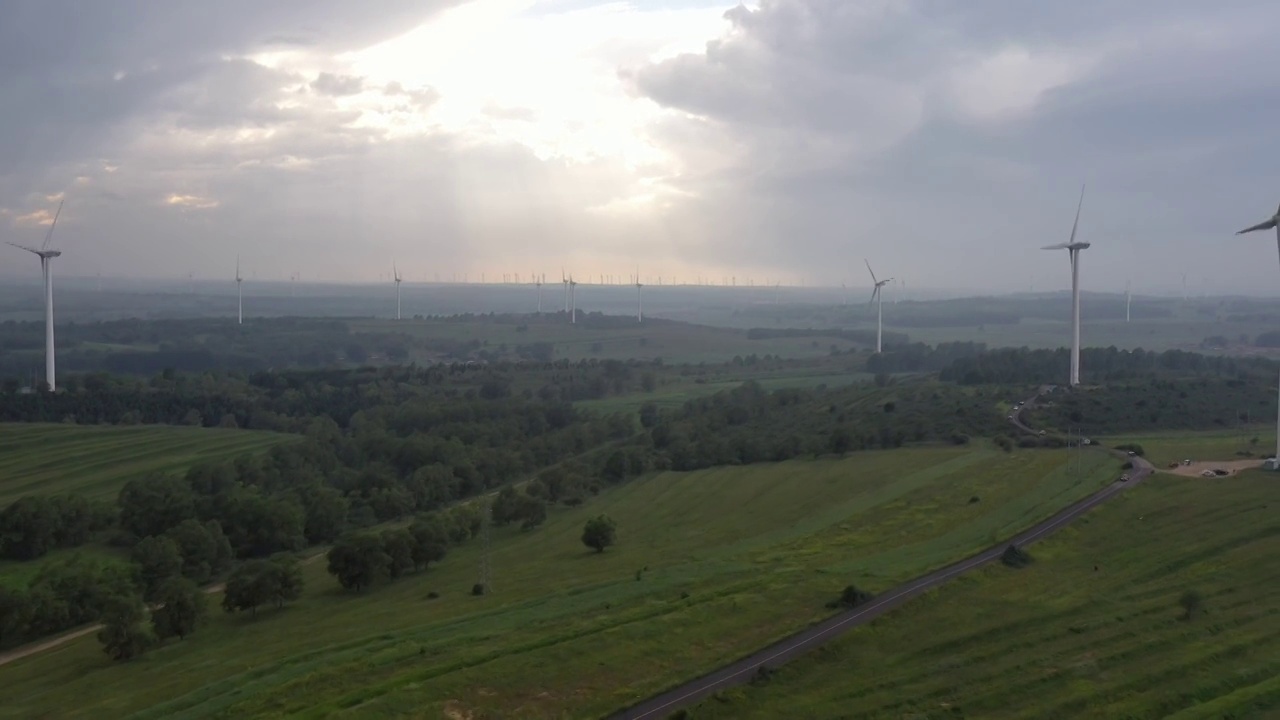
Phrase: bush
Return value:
(1191, 602)
(1015, 557)
(1134, 448)
(850, 597)
(599, 533)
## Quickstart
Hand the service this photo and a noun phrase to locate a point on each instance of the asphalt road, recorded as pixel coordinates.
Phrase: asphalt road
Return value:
(741, 672)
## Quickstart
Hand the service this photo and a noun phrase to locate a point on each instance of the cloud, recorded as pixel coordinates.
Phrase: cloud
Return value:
(190, 202)
(337, 85)
(790, 139)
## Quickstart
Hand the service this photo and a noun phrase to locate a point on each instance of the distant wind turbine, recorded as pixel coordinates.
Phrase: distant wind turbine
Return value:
(573, 300)
(1128, 300)
(537, 280)
(239, 294)
(395, 274)
(639, 297)
(1074, 248)
(877, 297)
(46, 265)
(565, 280)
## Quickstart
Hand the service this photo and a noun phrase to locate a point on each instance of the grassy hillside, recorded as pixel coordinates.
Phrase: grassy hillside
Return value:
(1091, 630)
(97, 460)
(709, 565)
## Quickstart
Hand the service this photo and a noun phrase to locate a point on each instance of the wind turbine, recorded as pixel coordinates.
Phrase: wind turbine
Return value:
(639, 298)
(1273, 222)
(46, 264)
(1128, 300)
(239, 295)
(537, 280)
(1074, 248)
(395, 273)
(877, 297)
(565, 280)
(573, 300)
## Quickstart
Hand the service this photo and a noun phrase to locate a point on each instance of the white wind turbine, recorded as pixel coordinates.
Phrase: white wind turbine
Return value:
(639, 298)
(537, 280)
(1128, 300)
(573, 300)
(1271, 223)
(239, 294)
(1074, 248)
(565, 281)
(878, 298)
(46, 264)
(395, 274)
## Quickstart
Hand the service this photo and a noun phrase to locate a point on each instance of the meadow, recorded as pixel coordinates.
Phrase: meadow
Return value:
(96, 461)
(1164, 448)
(1092, 629)
(709, 565)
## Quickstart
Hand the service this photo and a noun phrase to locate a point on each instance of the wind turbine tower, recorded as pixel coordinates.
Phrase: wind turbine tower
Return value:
(1128, 300)
(537, 280)
(1074, 248)
(565, 280)
(573, 300)
(877, 297)
(1271, 223)
(46, 265)
(239, 294)
(639, 298)
(395, 273)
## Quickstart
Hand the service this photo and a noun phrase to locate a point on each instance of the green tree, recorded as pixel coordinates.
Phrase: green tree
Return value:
(156, 560)
(399, 546)
(254, 583)
(358, 560)
(152, 505)
(205, 551)
(15, 614)
(599, 533)
(181, 607)
(124, 634)
(430, 542)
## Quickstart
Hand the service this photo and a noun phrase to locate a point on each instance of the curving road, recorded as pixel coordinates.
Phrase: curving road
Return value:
(741, 672)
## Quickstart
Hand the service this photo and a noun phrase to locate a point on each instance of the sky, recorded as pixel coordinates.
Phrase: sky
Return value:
(779, 141)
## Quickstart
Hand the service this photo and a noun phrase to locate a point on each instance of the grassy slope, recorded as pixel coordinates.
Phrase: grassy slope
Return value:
(1164, 448)
(1060, 639)
(736, 557)
(97, 460)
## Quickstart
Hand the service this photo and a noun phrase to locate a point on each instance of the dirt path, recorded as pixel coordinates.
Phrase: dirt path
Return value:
(55, 641)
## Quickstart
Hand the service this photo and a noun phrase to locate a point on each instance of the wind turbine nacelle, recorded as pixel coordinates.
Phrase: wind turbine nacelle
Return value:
(1078, 246)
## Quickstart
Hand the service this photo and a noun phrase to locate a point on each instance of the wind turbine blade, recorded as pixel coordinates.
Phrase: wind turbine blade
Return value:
(24, 247)
(874, 292)
(49, 235)
(1076, 224)
(1260, 226)
(1059, 246)
(873, 272)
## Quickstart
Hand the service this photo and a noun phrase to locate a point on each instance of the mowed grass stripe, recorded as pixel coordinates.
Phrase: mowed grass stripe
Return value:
(1061, 639)
(97, 460)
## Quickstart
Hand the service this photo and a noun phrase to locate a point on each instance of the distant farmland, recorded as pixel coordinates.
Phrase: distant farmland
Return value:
(97, 460)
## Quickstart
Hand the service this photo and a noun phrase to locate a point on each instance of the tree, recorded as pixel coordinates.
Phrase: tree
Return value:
(599, 532)
(325, 514)
(152, 505)
(205, 551)
(399, 546)
(285, 579)
(430, 542)
(358, 560)
(15, 613)
(247, 588)
(124, 634)
(182, 606)
(1191, 602)
(156, 560)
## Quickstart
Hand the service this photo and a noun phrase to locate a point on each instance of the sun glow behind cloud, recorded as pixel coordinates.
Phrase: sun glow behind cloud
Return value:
(536, 74)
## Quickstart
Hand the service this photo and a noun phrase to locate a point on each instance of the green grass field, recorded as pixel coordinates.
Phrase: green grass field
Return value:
(709, 566)
(1062, 639)
(97, 460)
(1164, 448)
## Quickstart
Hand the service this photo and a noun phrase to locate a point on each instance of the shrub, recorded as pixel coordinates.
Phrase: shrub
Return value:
(1015, 557)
